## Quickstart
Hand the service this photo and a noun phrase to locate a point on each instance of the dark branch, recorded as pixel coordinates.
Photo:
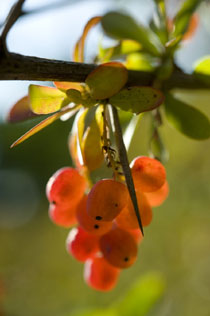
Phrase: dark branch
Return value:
(10, 21)
(19, 67)
(46, 7)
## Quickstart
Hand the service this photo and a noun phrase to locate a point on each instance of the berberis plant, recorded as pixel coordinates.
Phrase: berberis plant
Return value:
(136, 75)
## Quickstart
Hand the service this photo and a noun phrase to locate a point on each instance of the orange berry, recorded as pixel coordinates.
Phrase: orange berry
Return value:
(65, 187)
(119, 248)
(65, 217)
(127, 218)
(148, 174)
(106, 199)
(100, 275)
(156, 198)
(88, 223)
(81, 245)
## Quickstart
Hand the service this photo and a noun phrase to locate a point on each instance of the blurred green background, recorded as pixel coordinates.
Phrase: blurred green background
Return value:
(38, 276)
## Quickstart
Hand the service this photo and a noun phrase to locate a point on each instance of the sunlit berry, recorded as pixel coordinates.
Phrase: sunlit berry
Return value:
(100, 275)
(81, 245)
(106, 199)
(62, 216)
(65, 187)
(148, 174)
(119, 248)
(156, 198)
(88, 223)
(127, 219)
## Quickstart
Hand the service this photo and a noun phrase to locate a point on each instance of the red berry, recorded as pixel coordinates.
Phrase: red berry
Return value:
(88, 223)
(106, 199)
(65, 217)
(81, 245)
(119, 248)
(148, 174)
(100, 275)
(65, 187)
(127, 218)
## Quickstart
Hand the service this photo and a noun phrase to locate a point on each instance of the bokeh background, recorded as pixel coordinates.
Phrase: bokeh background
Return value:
(37, 276)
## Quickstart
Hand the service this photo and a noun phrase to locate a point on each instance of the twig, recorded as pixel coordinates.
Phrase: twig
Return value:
(10, 21)
(20, 67)
(47, 7)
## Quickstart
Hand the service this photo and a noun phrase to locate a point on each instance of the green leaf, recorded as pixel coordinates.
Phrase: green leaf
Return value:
(182, 18)
(187, 119)
(141, 61)
(197, 97)
(45, 100)
(122, 26)
(123, 48)
(49, 120)
(137, 99)
(143, 296)
(202, 69)
(106, 80)
(21, 111)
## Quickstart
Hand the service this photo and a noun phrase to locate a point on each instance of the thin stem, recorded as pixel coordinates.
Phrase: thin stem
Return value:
(125, 164)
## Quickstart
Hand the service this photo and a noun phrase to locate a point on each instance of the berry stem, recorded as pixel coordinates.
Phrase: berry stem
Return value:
(125, 163)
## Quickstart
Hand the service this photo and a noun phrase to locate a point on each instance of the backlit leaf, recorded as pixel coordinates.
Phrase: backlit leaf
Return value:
(49, 120)
(45, 100)
(68, 85)
(80, 123)
(187, 119)
(137, 99)
(78, 54)
(140, 61)
(182, 18)
(106, 80)
(21, 111)
(123, 48)
(91, 143)
(202, 69)
(122, 26)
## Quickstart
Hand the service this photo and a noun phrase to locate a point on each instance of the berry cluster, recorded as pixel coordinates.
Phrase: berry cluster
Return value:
(107, 231)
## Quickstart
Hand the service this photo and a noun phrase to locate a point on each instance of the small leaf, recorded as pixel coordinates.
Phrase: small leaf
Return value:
(49, 120)
(74, 95)
(202, 69)
(137, 99)
(21, 111)
(122, 26)
(78, 54)
(45, 100)
(140, 61)
(187, 119)
(73, 146)
(142, 297)
(182, 18)
(106, 80)
(123, 48)
(68, 85)
(91, 143)
(80, 123)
